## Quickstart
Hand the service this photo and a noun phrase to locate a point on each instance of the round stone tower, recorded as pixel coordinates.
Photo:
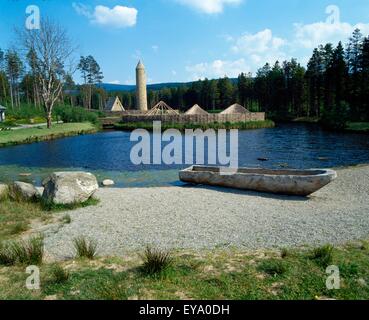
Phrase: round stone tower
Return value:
(141, 91)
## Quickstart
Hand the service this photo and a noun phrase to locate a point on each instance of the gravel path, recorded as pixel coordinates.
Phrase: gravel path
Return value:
(198, 217)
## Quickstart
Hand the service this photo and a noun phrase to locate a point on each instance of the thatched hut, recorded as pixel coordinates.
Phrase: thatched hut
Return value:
(114, 105)
(161, 108)
(235, 109)
(196, 110)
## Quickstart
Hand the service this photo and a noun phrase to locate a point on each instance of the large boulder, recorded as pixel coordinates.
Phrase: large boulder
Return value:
(21, 191)
(69, 187)
(4, 189)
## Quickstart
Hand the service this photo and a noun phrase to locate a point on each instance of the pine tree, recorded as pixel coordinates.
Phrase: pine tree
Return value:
(353, 53)
(364, 86)
(14, 70)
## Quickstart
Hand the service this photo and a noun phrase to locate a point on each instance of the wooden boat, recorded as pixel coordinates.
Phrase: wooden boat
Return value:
(287, 182)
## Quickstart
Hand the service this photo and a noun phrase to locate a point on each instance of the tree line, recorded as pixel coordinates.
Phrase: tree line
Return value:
(334, 86)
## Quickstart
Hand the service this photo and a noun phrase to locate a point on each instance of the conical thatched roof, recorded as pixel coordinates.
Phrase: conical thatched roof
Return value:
(235, 109)
(161, 108)
(196, 110)
(114, 105)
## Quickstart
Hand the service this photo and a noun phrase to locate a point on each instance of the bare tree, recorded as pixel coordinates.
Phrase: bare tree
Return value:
(52, 52)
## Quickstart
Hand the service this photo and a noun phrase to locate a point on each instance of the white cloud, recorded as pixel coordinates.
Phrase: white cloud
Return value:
(332, 30)
(155, 48)
(209, 6)
(117, 17)
(257, 43)
(217, 69)
(253, 51)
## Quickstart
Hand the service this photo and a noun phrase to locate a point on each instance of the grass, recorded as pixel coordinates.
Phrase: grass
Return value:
(66, 219)
(217, 274)
(228, 125)
(156, 261)
(50, 206)
(15, 217)
(273, 267)
(28, 252)
(59, 275)
(212, 275)
(85, 248)
(358, 126)
(323, 255)
(14, 137)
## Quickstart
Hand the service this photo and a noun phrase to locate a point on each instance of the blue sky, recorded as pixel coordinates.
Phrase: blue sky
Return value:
(183, 40)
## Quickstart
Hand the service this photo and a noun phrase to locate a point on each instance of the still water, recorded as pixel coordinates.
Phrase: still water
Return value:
(107, 154)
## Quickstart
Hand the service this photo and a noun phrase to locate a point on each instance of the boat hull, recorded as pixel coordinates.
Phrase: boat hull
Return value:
(287, 182)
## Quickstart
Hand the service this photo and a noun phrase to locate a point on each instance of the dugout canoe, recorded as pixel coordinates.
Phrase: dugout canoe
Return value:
(287, 182)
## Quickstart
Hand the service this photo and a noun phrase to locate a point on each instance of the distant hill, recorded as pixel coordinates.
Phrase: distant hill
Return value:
(121, 87)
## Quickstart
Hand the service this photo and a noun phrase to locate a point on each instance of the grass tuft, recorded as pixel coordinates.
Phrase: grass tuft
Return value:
(18, 228)
(285, 253)
(66, 219)
(6, 256)
(85, 248)
(156, 261)
(59, 274)
(28, 252)
(273, 267)
(50, 206)
(323, 256)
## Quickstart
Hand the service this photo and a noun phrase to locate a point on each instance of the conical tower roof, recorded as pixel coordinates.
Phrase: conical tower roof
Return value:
(196, 110)
(235, 109)
(140, 65)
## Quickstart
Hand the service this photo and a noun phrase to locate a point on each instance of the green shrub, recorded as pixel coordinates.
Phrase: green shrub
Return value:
(273, 267)
(323, 255)
(156, 261)
(59, 274)
(24, 113)
(85, 248)
(69, 114)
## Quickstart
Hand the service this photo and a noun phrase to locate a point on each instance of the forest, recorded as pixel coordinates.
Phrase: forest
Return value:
(334, 87)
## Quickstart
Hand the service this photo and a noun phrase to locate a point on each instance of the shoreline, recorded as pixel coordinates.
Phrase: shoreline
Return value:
(250, 125)
(39, 135)
(208, 217)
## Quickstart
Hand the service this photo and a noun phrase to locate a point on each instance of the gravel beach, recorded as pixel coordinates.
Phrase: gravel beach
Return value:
(205, 218)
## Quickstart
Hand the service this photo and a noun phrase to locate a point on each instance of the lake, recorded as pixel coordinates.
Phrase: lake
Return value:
(107, 154)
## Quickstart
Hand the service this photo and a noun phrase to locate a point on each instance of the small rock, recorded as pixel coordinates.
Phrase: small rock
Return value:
(25, 174)
(108, 183)
(263, 159)
(23, 191)
(4, 189)
(69, 187)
